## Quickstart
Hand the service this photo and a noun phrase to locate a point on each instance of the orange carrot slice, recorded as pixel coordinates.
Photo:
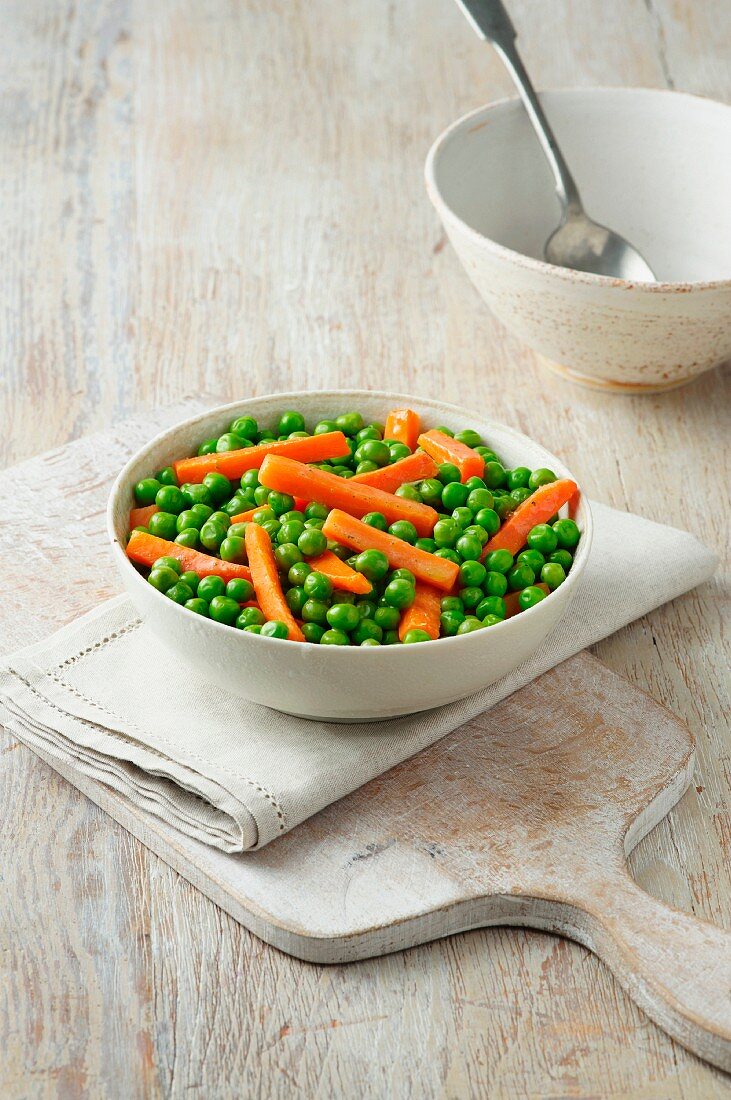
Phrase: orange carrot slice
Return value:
(424, 612)
(245, 517)
(146, 549)
(389, 478)
(574, 504)
(315, 448)
(340, 573)
(537, 508)
(443, 448)
(300, 504)
(265, 578)
(403, 425)
(287, 476)
(349, 531)
(139, 517)
(512, 607)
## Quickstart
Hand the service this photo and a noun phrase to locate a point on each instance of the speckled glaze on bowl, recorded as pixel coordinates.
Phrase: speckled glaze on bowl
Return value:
(655, 166)
(347, 684)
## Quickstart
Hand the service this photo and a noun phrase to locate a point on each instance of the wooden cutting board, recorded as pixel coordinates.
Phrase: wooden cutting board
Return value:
(523, 817)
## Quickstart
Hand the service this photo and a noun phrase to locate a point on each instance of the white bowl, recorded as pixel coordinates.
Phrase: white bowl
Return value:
(655, 166)
(315, 681)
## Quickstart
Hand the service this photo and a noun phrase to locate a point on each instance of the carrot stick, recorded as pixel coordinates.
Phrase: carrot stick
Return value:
(388, 478)
(315, 448)
(443, 448)
(265, 578)
(537, 508)
(244, 517)
(146, 549)
(340, 573)
(438, 572)
(300, 504)
(574, 503)
(512, 607)
(139, 517)
(288, 476)
(403, 425)
(424, 612)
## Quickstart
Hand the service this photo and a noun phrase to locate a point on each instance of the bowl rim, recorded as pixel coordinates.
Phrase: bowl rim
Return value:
(124, 564)
(542, 266)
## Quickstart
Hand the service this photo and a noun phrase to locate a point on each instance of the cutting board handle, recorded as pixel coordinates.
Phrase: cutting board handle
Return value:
(676, 967)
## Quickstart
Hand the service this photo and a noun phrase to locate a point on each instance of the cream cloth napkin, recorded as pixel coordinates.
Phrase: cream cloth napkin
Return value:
(105, 696)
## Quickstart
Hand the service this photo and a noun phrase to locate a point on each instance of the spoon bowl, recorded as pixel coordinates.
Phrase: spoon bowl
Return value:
(584, 245)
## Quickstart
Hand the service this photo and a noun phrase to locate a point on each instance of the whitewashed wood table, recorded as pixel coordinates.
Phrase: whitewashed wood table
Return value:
(229, 197)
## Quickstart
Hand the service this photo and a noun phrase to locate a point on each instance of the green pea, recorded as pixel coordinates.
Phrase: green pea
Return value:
(390, 637)
(567, 533)
(454, 495)
(494, 475)
(499, 561)
(374, 450)
(469, 437)
(448, 554)
(324, 426)
(296, 599)
(272, 528)
(250, 480)
(298, 572)
(477, 532)
(318, 586)
(180, 593)
(446, 532)
(316, 511)
(365, 467)
(343, 471)
(339, 551)
(167, 476)
(489, 520)
(462, 517)
(210, 587)
(188, 538)
(369, 642)
(349, 423)
(491, 605)
(232, 548)
(343, 616)
(371, 431)
(253, 628)
(312, 542)
(373, 564)
(495, 584)
(403, 574)
(542, 538)
(189, 519)
(399, 593)
(367, 629)
(561, 557)
(220, 518)
(472, 573)
(281, 503)
(201, 509)
(249, 617)
(229, 441)
(475, 483)
(313, 632)
(334, 637)
(212, 535)
(553, 574)
(387, 617)
(451, 603)
(196, 495)
(471, 597)
(207, 447)
(428, 545)
(366, 608)
(218, 486)
(450, 622)
(200, 607)
(479, 499)
(167, 561)
(504, 505)
(224, 610)
(286, 555)
(404, 530)
(239, 589)
(291, 421)
(520, 576)
(190, 578)
(542, 476)
(293, 516)
(470, 624)
(375, 519)
(530, 596)
(244, 426)
(533, 558)
(163, 578)
(146, 490)
(238, 530)
(469, 548)
(409, 492)
(491, 620)
(275, 629)
(431, 491)
(164, 525)
(398, 450)
(518, 478)
(448, 473)
(519, 495)
(416, 635)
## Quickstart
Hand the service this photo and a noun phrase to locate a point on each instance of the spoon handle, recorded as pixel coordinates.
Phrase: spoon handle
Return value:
(491, 21)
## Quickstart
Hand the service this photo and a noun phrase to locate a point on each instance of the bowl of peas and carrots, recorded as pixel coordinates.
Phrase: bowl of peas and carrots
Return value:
(272, 541)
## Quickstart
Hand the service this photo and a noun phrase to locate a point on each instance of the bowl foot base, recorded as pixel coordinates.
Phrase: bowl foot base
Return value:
(605, 386)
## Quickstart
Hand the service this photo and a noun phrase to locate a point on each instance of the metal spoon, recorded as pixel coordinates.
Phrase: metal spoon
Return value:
(579, 242)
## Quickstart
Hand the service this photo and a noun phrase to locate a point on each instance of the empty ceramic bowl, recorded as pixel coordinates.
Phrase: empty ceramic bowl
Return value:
(654, 165)
(339, 682)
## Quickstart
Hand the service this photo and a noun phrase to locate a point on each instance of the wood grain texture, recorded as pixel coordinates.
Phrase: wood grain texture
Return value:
(228, 196)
